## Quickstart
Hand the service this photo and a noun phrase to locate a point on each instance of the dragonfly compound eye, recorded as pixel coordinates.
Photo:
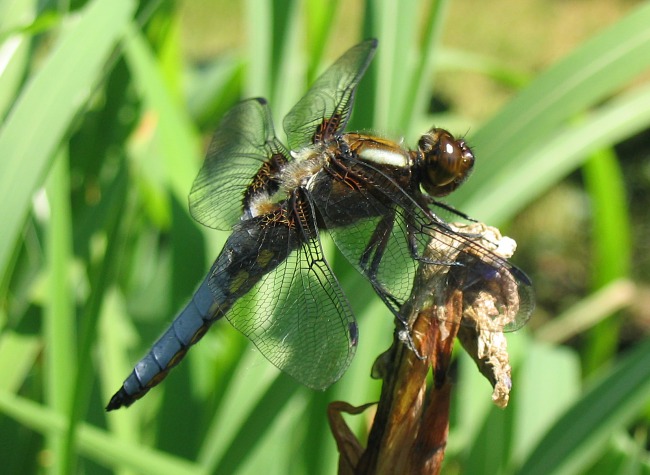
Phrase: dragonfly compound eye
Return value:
(446, 162)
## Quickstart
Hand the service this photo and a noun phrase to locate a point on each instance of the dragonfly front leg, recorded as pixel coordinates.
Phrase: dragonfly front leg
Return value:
(414, 244)
(371, 260)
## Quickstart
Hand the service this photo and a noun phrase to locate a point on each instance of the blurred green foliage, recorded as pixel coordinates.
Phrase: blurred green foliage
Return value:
(104, 123)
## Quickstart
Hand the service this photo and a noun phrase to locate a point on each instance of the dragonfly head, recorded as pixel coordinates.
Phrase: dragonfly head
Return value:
(445, 162)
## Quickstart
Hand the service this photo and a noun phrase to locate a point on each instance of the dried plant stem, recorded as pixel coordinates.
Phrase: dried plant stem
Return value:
(409, 433)
(410, 428)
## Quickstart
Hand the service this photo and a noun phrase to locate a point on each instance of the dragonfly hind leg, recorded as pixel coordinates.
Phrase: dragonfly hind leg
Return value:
(370, 262)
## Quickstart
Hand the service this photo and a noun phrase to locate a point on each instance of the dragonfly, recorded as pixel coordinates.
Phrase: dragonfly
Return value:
(379, 202)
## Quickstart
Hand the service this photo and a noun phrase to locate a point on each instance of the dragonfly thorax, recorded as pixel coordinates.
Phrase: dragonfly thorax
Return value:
(297, 173)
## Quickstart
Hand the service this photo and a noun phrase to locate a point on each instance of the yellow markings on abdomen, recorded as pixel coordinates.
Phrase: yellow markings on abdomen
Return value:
(237, 281)
(264, 257)
(160, 376)
(180, 354)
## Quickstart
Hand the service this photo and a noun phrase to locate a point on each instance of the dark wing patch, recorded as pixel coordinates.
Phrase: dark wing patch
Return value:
(235, 166)
(324, 111)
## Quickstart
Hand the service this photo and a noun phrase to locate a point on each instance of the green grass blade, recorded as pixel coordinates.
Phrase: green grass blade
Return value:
(14, 49)
(589, 311)
(420, 85)
(60, 329)
(95, 443)
(101, 277)
(606, 187)
(175, 133)
(319, 22)
(18, 354)
(598, 68)
(252, 377)
(452, 59)
(382, 16)
(263, 414)
(612, 246)
(47, 105)
(115, 337)
(259, 51)
(581, 433)
(287, 46)
(548, 381)
(540, 166)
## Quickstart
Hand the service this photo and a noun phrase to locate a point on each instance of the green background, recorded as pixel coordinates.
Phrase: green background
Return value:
(107, 107)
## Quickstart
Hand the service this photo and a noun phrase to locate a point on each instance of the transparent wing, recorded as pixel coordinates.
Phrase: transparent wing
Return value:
(296, 314)
(384, 243)
(325, 109)
(241, 145)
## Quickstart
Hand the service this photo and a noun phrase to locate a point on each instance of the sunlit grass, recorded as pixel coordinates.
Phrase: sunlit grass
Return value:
(111, 121)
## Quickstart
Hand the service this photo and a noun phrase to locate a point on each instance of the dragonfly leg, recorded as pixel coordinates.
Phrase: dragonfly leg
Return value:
(377, 246)
(371, 260)
(413, 244)
(447, 207)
